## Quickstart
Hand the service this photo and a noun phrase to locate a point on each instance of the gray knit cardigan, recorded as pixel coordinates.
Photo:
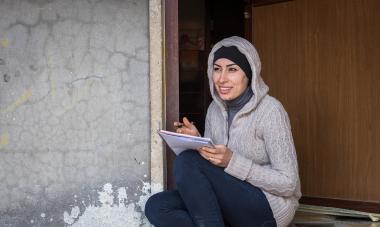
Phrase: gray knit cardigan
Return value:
(260, 138)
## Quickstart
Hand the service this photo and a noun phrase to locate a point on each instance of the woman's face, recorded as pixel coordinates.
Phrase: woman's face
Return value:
(229, 79)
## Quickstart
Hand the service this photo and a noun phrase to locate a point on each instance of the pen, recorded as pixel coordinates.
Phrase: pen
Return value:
(180, 125)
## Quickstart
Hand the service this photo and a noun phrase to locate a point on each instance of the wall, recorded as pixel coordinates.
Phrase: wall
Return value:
(74, 112)
(321, 59)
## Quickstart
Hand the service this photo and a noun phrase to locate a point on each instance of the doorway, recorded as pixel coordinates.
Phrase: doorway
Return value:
(202, 23)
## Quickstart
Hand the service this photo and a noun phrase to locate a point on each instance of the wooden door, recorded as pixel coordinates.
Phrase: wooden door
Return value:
(321, 58)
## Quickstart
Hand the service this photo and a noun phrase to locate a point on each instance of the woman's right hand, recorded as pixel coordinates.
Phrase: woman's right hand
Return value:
(186, 127)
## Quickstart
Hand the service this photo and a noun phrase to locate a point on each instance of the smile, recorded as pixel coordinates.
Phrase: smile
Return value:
(224, 90)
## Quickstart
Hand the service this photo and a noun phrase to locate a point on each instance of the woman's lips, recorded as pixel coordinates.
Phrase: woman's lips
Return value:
(224, 90)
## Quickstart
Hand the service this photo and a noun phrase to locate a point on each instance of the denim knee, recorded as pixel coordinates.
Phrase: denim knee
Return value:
(152, 208)
(184, 163)
(186, 155)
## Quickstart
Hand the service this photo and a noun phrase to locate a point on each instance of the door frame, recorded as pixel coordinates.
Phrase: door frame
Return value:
(171, 75)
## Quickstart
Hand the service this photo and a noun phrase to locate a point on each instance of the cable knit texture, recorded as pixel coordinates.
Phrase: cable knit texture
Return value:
(260, 138)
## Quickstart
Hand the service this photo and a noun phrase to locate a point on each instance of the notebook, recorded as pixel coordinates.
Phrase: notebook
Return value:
(181, 142)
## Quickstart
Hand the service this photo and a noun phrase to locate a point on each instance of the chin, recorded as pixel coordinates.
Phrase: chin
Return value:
(225, 97)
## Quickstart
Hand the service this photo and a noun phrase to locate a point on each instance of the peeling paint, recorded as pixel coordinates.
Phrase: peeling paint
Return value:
(70, 218)
(109, 213)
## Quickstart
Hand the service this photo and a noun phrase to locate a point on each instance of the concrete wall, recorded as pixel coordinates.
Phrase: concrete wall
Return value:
(74, 112)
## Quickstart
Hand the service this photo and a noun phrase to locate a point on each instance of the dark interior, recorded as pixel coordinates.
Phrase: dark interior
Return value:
(201, 24)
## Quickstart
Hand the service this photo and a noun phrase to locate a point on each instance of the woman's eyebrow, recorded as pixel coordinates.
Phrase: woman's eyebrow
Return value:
(226, 65)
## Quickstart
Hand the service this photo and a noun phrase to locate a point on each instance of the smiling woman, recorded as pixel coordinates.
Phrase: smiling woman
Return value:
(250, 177)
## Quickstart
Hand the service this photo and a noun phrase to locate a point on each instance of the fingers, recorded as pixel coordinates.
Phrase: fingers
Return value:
(218, 149)
(212, 155)
(181, 128)
(184, 130)
(219, 159)
(209, 150)
(219, 156)
(186, 127)
(214, 159)
(220, 146)
(187, 123)
(177, 124)
(208, 156)
(204, 155)
(202, 152)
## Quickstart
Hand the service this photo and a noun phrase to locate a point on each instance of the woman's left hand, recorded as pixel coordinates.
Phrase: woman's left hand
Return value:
(219, 156)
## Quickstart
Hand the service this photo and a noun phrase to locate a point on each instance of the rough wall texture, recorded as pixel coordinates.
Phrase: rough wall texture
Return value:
(74, 112)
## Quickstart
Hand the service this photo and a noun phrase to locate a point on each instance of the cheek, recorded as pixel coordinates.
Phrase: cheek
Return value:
(241, 84)
(215, 78)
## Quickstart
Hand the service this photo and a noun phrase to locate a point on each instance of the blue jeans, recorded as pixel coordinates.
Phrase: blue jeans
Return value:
(207, 196)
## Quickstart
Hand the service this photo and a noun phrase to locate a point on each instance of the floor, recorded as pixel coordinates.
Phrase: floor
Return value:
(304, 219)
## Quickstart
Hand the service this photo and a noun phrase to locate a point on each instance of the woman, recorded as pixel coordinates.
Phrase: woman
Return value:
(251, 176)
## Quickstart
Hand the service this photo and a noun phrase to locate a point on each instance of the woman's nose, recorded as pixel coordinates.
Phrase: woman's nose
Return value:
(223, 76)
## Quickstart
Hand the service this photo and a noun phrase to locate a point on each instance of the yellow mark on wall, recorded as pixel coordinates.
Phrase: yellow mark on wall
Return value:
(25, 97)
(4, 140)
(50, 61)
(88, 84)
(52, 88)
(5, 42)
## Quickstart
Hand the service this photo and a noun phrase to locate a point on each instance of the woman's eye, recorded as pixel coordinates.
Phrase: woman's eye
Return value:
(216, 68)
(232, 69)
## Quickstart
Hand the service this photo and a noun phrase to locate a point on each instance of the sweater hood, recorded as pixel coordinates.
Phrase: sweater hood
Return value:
(259, 88)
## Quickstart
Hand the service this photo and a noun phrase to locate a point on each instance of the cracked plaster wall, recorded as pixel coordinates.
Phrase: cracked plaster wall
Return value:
(74, 112)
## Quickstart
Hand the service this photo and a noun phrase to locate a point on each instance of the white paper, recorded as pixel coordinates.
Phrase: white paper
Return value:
(181, 142)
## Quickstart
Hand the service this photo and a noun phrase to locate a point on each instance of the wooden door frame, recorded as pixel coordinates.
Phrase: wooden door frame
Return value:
(171, 79)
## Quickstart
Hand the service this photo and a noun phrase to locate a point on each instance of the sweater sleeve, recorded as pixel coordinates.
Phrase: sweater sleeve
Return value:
(281, 175)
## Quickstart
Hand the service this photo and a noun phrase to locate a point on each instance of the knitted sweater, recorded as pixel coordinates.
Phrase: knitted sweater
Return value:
(260, 138)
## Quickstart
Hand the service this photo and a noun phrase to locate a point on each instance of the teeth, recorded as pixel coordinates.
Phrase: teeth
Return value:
(224, 89)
